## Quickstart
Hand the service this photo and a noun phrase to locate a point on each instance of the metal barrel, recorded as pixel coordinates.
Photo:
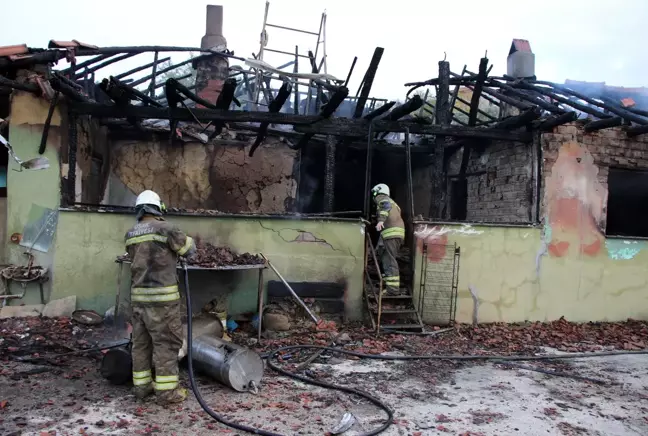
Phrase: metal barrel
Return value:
(233, 365)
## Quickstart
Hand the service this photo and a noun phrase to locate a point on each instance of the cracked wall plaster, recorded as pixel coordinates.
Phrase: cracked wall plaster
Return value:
(214, 176)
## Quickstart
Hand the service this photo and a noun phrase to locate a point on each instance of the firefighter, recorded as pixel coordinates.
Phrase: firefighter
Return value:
(392, 234)
(154, 245)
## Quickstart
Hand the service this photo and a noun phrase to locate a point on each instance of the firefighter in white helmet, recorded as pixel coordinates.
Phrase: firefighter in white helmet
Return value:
(154, 245)
(392, 232)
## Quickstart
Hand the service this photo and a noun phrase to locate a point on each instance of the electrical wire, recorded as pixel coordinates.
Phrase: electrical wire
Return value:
(390, 414)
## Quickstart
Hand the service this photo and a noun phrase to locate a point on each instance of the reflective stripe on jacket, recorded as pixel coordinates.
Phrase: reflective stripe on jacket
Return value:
(389, 213)
(154, 245)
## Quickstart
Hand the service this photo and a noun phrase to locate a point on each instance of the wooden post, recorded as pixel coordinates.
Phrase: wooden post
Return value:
(442, 117)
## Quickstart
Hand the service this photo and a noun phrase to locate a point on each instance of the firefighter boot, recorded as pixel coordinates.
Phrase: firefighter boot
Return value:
(141, 392)
(175, 396)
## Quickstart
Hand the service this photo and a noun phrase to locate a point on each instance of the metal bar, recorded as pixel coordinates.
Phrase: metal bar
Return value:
(294, 294)
(380, 284)
(118, 297)
(290, 28)
(143, 67)
(346, 82)
(260, 298)
(284, 52)
(410, 200)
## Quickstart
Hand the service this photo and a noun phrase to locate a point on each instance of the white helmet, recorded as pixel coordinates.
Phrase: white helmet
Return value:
(380, 189)
(149, 197)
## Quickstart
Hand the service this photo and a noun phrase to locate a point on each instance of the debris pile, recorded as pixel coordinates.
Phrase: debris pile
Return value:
(36, 337)
(210, 256)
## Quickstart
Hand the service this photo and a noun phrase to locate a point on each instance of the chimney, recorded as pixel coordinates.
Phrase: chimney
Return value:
(212, 70)
(521, 60)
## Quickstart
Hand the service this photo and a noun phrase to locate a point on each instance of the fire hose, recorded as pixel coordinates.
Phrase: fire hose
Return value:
(390, 414)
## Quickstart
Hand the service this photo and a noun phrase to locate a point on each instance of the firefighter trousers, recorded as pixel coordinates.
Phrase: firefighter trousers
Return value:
(391, 273)
(157, 338)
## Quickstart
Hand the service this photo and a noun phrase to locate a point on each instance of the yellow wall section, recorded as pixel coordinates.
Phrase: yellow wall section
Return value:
(518, 279)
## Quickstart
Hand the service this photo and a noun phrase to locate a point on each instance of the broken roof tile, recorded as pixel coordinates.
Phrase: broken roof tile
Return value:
(69, 44)
(628, 102)
(10, 50)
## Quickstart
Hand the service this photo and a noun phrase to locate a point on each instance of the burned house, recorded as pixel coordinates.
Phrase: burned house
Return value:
(518, 193)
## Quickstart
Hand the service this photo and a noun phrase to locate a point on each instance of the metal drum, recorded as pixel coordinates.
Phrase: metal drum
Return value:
(233, 365)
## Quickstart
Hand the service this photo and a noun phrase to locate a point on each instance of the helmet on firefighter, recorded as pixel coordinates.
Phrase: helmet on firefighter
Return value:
(380, 189)
(150, 198)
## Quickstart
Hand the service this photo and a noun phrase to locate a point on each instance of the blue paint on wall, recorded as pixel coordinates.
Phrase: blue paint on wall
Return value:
(623, 249)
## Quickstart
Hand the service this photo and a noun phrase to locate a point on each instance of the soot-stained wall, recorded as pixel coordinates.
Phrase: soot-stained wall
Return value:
(215, 176)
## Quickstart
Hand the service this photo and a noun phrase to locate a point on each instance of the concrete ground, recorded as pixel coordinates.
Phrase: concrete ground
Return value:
(428, 398)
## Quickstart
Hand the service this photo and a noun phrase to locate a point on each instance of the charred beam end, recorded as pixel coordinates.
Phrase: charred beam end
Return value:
(274, 107)
(29, 87)
(529, 98)
(380, 111)
(521, 120)
(302, 123)
(443, 114)
(335, 101)
(636, 130)
(612, 106)
(367, 82)
(550, 123)
(413, 104)
(73, 94)
(593, 126)
(476, 94)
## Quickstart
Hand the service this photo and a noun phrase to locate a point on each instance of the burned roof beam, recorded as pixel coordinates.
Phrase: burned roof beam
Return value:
(637, 130)
(548, 124)
(568, 102)
(479, 111)
(151, 48)
(367, 82)
(518, 121)
(413, 104)
(86, 63)
(29, 87)
(605, 123)
(104, 64)
(143, 67)
(274, 107)
(162, 71)
(529, 98)
(477, 91)
(73, 94)
(44, 57)
(612, 107)
(160, 85)
(380, 111)
(327, 110)
(303, 123)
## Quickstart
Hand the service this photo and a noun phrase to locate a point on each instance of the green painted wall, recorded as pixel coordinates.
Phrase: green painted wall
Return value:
(518, 278)
(302, 250)
(28, 188)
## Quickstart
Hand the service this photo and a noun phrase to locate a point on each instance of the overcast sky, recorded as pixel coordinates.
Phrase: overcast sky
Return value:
(595, 40)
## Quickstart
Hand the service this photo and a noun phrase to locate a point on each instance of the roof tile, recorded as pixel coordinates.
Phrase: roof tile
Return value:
(10, 50)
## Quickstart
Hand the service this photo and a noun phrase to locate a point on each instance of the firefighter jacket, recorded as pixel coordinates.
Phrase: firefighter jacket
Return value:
(389, 213)
(154, 245)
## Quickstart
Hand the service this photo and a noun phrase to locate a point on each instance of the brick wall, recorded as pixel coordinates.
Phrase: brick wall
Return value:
(503, 190)
(608, 147)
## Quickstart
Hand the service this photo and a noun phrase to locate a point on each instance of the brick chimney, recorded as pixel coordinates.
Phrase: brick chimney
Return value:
(212, 70)
(521, 60)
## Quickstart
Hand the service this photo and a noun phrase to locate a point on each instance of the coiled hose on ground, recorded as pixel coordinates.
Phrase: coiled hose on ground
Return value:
(390, 415)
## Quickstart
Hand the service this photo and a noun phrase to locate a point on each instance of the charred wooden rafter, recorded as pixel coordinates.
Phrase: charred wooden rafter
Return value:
(162, 71)
(140, 68)
(103, 64)
(223, 102)
(477, 91)
(380, 111)
(593, 126)
(367, 82)
(637, 130)
(303, 123)
(548, 124)
(529, 98)
(274, 107)
(327, 110)
(517, 121)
